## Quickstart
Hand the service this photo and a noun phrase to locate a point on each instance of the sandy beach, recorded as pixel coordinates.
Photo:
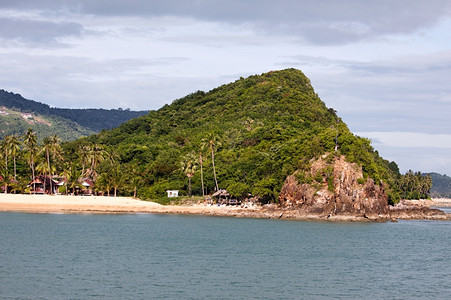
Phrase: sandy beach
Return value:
(112, 205)
(98, 204)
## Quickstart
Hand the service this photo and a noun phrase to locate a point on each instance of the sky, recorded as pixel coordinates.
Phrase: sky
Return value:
(385, 65)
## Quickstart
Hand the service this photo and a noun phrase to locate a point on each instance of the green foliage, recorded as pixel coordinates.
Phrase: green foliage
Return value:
(239, 190)
(441, 185)
(251, 134)
(414, 185)
(68, 124)
(254, 131)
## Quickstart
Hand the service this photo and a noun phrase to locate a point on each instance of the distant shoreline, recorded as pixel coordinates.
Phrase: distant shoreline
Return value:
(122, 205)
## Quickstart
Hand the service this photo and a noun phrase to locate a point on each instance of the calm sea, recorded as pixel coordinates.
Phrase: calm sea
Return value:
(146, 256)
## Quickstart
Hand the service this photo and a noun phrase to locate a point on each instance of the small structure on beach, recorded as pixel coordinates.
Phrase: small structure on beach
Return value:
(43, 185)
(172, 193)
(222, 196)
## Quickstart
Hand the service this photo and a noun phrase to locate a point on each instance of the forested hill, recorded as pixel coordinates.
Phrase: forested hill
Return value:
(94, 120)
(441, 186)
(260, 129)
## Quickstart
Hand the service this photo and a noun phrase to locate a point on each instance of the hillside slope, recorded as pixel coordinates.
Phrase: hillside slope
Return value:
(67, 123)
(441, 186)
(14, 122)
(262, 128)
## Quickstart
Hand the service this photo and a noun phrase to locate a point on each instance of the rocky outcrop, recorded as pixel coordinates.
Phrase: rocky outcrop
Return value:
(334, 187)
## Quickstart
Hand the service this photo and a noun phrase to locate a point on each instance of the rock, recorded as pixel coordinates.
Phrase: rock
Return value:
(338, 189)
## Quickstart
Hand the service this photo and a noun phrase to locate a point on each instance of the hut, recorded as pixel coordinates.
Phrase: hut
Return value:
(222, 196)
(43, 185)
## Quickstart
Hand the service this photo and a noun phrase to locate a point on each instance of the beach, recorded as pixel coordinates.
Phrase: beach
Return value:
(98, 204)
(115, 205)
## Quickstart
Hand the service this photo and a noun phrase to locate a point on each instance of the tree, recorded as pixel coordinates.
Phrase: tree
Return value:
(13, 145)
(96, 156)
(189, 166)
(72, 177)
(51, 148)
(202, 174)
(211, 142)
(4, 149)
(5, 179)
(31, 145)
(133, 178)
(84, 151)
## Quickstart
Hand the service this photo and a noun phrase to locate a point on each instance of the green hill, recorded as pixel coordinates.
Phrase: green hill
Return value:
(69, 124)
(441, 186)
(263, 128)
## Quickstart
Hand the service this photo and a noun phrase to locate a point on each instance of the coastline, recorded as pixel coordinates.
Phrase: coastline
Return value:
(116, 205)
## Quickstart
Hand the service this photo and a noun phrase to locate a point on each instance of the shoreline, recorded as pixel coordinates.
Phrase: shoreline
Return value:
(123, 205)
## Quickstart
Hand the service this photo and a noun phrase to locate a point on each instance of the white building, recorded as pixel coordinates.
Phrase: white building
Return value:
(172, 193)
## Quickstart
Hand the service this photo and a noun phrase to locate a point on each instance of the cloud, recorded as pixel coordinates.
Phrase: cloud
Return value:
(36, 32)
(324, 22)
(409, 93)
(413, 151)
(408, 139)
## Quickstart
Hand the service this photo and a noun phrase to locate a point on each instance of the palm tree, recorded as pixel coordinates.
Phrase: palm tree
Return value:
(133, 178)
(104, 183)
(31, 144)
(13, 145)
(5, 179)
(116, 178)
(4, 149)
(72, 177)
(189, 166)
(96, 156)
(84, 151)
(212, 143)
(52, 149)
(202, 174)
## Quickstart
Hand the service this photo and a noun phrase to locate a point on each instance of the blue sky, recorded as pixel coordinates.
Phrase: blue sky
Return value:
(385, 66)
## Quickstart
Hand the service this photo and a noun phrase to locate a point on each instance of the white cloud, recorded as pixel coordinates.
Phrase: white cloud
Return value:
(385, 66)
(408, 139)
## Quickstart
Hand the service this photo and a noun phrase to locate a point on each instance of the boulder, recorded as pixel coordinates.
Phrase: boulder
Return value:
(334, 187)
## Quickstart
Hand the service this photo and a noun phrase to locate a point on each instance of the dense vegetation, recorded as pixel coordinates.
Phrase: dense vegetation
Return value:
(246, 137)
(82, 121)
(441, 185)
(12, 123)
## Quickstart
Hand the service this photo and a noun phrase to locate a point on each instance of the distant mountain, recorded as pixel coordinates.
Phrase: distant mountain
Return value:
(17, 114)
(441, 186)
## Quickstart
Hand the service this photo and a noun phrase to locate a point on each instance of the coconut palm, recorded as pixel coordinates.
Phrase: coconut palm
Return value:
(4, 150)
(13, 145)
(6, 179)
(96, 156)
(189, 166)
(51, 149)
(202, 174)
(84, 151)
(72, 178)
(211, 142)
(31, 145)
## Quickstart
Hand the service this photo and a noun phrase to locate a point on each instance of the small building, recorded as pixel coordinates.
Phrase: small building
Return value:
(172, 193)
(43, 184)
(88, 186)
(222, 196)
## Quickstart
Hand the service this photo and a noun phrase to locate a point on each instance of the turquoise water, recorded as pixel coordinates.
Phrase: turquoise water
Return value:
(145, 256)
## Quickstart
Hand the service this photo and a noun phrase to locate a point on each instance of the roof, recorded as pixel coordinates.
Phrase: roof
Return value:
(221, 193)
(87, 182)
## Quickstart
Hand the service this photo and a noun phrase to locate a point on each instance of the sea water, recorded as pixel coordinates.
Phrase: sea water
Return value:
(149, 256)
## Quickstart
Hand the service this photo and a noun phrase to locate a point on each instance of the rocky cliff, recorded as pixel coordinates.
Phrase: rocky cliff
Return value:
(334, 187)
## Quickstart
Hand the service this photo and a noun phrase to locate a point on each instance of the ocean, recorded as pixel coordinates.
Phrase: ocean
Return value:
(149, 256)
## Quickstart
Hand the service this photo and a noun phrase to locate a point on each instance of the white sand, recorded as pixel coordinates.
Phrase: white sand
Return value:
(93, 204)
